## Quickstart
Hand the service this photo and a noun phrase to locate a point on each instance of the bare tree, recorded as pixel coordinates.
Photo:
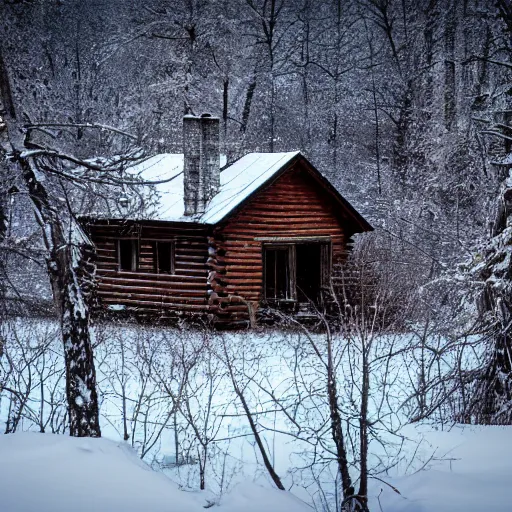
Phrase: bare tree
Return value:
(32, 377)
(200, 406)
(339, 391)
(238, 376)
(46, 175)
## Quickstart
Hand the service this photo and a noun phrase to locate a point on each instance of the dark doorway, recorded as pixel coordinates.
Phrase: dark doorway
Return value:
(309, 272)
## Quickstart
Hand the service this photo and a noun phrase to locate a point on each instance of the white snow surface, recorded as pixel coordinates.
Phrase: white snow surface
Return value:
(437, 469)
(57, 473)
(237, 182)
(470, 471)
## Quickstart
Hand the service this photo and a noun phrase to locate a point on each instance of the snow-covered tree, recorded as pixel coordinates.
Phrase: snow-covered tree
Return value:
(493, 269)
(50, 177)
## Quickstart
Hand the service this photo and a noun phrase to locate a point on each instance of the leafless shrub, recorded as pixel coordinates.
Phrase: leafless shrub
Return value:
(32, 378)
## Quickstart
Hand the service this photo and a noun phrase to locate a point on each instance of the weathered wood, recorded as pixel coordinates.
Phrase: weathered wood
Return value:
(164, 299)
(184, 290)
(294, 208)
(219, 269)
(110, 289)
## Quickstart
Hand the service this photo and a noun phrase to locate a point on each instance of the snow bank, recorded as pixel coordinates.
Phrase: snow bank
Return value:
(54, 473)
(254, 498)
(470, 472)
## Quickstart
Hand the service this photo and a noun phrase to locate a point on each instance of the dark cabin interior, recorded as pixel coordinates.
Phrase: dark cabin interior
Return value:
(294, 272)
(309, 272)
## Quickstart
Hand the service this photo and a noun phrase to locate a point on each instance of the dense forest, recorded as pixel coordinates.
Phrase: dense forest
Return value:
(395, 101)
(405, 106)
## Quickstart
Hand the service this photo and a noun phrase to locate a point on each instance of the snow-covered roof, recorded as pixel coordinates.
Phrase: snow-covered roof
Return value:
(237, 182)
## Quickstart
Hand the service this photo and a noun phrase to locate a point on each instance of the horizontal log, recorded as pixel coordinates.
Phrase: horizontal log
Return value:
(282, 225)
(246, 234)
(145, 225)
(109, 249)
(190, 283)
(244, 288)
(152, 290)
(152, 276)
(181, 236)
(157, 305)
(276, 208)
(230, 274)
(190, 265)
(298, 202)
(242, 259)
(232, 243)
(284, 229)
(186, 242)
(164, 299)
(237, 266)
(107, 265)
(106, 259)
(256, 220)
(191, 272)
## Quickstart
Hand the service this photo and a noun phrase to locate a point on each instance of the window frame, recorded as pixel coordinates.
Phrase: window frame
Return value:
(291, 285)
(172, 256)
(134, 254)
(291, 246)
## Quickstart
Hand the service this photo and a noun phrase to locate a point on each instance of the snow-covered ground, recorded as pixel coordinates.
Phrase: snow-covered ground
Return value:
(471, 472)
(140, 372)
(57, 473)
(54, 473)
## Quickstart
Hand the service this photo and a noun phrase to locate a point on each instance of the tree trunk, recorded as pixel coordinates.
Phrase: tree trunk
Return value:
(70, 271)
(71, 274)
(449, 68)
(336, 428)
(247, 104)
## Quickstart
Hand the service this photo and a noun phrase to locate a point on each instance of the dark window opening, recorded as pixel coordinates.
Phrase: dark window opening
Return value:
(297, 271)
(277, 274)
(164, 257)
(127, 250)
(309, 272)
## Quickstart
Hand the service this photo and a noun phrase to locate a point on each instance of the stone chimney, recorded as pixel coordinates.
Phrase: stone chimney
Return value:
(201, 161)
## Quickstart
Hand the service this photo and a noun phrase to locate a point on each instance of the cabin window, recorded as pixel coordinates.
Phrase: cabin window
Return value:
(296, 271)
(127, 251)
(309, 272)
(164, 257)
(278, 273)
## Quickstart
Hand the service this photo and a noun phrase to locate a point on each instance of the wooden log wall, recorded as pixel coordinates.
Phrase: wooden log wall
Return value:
(145, 291)
(293, 206)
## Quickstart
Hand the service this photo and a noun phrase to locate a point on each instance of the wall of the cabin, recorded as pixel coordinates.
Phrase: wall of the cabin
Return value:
(217, 270)
(185, 291)
(293, 206)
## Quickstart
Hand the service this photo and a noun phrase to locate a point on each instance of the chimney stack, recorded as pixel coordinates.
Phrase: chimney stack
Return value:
(201, 161)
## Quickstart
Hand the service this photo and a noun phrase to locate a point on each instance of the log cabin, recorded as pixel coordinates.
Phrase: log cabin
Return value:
(267, 232)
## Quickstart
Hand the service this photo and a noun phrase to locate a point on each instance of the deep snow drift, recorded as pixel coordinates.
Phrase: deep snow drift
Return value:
(56, 473)
(470, 472)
